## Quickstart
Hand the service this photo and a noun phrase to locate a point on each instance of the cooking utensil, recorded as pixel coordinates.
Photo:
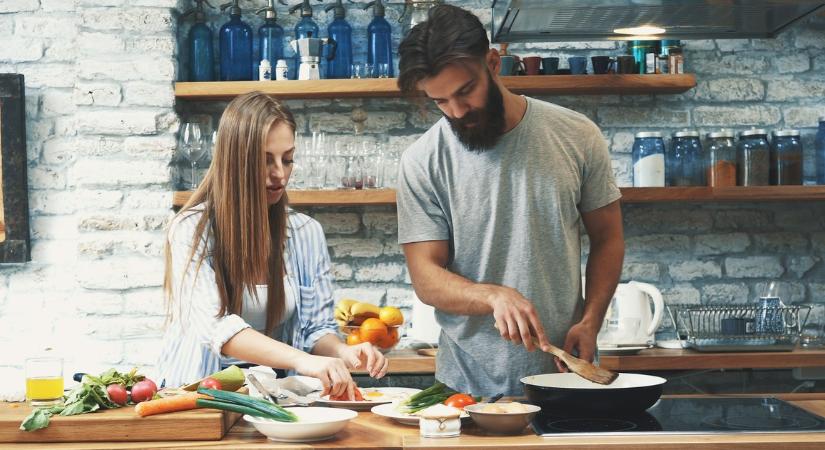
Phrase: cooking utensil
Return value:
(260, 387)
(580, 367)
(630, 393)
(495, 398)
(298, 399)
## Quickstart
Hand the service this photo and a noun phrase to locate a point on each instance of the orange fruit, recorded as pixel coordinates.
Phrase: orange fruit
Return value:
(354, 338)
(373, 330)
(389, 340)
(391, 316)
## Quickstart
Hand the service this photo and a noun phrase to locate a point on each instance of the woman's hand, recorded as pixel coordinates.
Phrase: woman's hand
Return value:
(364, 355)
(332, 372)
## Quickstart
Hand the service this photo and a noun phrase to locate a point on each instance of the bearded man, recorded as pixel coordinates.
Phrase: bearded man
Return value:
(491, 203)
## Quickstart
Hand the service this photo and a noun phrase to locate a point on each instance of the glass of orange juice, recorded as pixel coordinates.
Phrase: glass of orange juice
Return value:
(44, 381)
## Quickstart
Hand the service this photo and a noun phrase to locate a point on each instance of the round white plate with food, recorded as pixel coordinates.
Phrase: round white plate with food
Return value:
(372, 397)
(389, 410)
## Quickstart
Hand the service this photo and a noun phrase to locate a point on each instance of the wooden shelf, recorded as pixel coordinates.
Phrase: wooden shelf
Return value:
(680, 359)
(629, 195)
(386, 87)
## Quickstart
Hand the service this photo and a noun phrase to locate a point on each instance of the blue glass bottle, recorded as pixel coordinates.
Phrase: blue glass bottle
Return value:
(819, 149)
(340, 31)
(379, 40)
(236, 46)
(270, 36)
(685, 164)
(306, 27)
(200, 46)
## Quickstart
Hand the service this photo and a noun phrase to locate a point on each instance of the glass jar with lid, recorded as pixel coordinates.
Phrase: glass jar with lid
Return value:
(685, 165)
(753, 158)
(786, 158)
(721, 161)
(649, 160)
(819, 144)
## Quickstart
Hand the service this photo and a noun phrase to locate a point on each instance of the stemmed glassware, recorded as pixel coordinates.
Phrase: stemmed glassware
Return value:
(191, 140)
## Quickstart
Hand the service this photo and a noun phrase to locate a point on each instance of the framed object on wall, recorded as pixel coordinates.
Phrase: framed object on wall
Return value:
(15, 246)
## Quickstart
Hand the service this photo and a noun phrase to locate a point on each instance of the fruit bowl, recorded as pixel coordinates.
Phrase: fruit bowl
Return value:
(372, 332)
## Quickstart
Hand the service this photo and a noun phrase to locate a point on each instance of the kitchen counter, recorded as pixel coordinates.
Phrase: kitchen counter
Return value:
(409, 362)
(369, 431)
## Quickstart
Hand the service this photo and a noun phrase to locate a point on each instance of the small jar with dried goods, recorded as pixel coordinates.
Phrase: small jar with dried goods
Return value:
(649, 160)
(721, 161)
(753, 158)
(685, 162)
(786, 158)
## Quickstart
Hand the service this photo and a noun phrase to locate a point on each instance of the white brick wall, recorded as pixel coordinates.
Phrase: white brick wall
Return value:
(101, 132)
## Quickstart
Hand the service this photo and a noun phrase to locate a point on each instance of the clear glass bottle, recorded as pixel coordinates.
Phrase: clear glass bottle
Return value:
(685, 165)
(819, 145)
(721, 161)
(649, 160)
(786, 158)
(753, 158)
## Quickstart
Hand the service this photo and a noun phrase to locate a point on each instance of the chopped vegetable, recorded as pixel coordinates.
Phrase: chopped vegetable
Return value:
(344, 398)
(264, 408)
(434, 394)
(168, 404)
(459, 401)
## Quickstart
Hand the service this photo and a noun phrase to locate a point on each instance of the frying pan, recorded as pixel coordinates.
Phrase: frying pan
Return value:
(631, 393)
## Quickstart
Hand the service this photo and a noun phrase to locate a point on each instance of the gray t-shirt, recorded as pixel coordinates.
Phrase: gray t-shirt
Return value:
(512, 217)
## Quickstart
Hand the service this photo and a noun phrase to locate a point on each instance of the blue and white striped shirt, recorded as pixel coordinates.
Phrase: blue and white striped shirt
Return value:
(193, 340)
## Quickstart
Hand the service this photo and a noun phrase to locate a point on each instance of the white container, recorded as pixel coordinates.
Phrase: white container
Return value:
(440, 421)
(264, 70)
(281, 70)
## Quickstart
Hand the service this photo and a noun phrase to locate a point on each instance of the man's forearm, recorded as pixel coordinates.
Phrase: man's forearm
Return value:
(446, 291)
(604, 267)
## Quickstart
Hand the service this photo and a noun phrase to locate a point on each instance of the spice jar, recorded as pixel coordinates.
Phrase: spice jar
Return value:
(685, 162)
(439, 421)
(721, 167)
(649, 160)
(753, 158)
(786, 158)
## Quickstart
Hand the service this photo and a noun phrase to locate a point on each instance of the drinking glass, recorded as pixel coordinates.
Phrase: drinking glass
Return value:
(369, 71)
(357, 71)
(383, 70)
(813, 330)
(191, 140)
(44, 381)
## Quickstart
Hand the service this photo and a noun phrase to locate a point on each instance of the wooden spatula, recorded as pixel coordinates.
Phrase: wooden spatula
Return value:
(579, 366)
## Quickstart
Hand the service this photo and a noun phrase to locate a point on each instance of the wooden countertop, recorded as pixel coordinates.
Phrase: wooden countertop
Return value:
(369, 431)
(409, 362)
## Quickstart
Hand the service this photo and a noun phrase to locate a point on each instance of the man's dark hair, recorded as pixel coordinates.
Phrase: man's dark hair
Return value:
(449, 35)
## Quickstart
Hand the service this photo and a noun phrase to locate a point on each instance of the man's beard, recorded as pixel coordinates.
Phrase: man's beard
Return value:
(488, 122)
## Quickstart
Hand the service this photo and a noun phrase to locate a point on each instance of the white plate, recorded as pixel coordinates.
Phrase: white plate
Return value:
(372, 397)
(622, 350)
(388, 410)
(314, 424)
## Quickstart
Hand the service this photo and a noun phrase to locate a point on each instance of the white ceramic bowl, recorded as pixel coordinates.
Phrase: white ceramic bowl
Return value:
(502, 423)
(314, 424)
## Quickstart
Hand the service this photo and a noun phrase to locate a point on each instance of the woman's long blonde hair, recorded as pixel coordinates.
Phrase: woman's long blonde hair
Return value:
(248, 235)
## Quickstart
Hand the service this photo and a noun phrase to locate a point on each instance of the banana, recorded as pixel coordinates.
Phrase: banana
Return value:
(342, 311)
(364, 310)
(342, 318)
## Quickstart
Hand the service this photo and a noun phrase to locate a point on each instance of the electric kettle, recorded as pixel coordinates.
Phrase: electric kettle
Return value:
(629, 320)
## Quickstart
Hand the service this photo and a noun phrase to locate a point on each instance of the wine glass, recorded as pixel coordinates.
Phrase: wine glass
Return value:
(191, 140)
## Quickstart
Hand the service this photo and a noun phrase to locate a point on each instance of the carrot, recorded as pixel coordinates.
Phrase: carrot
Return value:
(181, 402)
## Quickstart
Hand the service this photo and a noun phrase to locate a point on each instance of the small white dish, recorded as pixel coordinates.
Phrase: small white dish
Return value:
(388, 410)
(314, 424)
(372, 397)
(611, 351)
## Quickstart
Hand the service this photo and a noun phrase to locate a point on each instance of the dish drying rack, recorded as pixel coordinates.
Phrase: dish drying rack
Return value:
(755, 328)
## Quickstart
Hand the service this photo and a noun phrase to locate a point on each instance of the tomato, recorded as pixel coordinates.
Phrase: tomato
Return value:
(117, 393)
(211, 383)
(143, 390)
(459, 401)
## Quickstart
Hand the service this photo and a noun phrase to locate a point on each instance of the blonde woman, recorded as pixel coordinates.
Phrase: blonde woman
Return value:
(247, 280)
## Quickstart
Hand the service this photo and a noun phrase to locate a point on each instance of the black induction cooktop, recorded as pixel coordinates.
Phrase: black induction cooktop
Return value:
(689, 416)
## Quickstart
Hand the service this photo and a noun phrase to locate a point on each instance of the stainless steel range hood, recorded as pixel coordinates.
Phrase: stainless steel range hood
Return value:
(584, 20)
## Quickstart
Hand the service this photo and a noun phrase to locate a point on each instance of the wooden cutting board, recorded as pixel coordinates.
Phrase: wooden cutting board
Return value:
(121, 424)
